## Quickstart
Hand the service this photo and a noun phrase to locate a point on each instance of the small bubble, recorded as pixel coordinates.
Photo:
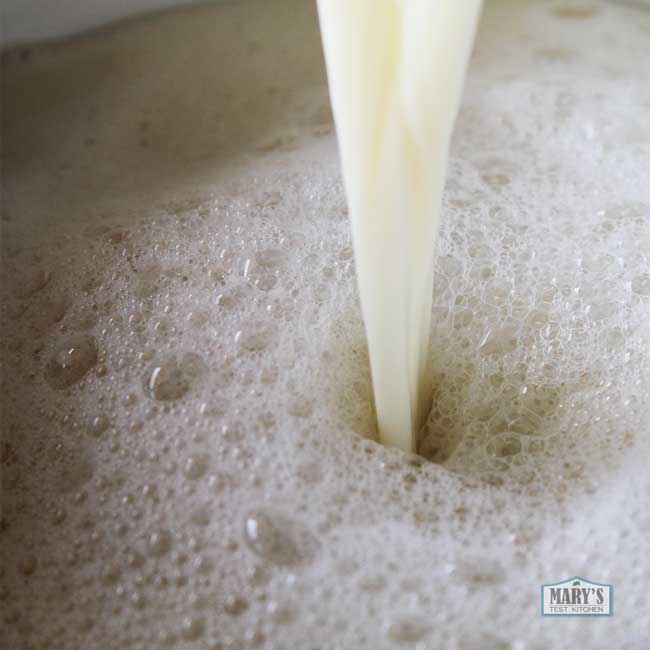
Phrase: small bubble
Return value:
(279, 540)
(601, 311)
(149, 281)
(134, 560)
(450, 266)
(301, 407)
(192, 628)
(499, 340)
(71, 361)
(195, 466)
(310, 472)
(496, 179)
(137, 600)
(58, 517)
(280, 612)
(492, 479)
(197, 318)
(409, 629)
(215, 407)
(99, 424)
(110, 574)
(174, 377)
(526, 422)
(641, 284)
(479, 572)
(159, 542)
(234, 605)
(202, 565)
(266, 282)
(506, 444)
(372, 582)
(255, 339)
(270, 258)
(538, 319)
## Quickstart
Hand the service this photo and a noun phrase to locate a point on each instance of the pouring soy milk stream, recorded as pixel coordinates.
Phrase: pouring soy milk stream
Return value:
(396, 71)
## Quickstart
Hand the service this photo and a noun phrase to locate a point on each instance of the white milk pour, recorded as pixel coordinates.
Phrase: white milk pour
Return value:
(395, 70)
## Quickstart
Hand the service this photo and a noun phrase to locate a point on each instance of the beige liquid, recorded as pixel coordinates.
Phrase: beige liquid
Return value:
(396, 73)
(197, 473)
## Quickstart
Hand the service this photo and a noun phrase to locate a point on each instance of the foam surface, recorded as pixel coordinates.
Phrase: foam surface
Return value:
(187, 458)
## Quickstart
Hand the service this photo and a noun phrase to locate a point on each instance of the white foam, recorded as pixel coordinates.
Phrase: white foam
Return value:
(148, 172)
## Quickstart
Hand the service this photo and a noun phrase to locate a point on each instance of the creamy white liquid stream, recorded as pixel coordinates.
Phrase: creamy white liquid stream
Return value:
(396, 70)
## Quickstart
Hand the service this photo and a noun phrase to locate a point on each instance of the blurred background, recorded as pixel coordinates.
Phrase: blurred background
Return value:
(31, 20)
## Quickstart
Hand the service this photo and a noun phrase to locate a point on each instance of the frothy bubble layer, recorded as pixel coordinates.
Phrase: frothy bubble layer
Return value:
(187, 453)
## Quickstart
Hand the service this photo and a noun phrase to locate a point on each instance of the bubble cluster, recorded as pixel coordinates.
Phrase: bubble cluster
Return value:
(188, 448)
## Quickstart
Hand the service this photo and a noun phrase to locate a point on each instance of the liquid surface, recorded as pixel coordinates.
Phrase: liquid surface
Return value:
(186, 452)
(395, 72)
